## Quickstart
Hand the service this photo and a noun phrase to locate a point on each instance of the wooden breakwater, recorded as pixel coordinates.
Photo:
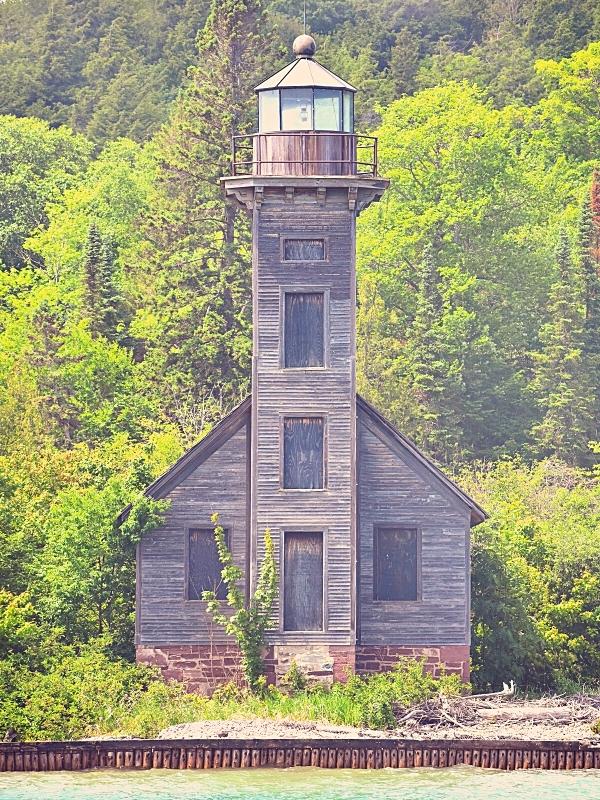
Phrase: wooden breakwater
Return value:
(327, 753)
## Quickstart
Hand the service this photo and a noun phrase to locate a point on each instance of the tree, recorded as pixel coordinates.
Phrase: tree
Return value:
(38, 164)
(561, 382)
(198, 248)
(589, 263)
(86, 571)
(101, 302)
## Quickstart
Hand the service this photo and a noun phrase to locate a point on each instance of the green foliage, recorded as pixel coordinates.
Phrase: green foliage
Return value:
(87, 567)
(536, 566)
(38, 163)
(247, 621)
(372, 701)
(76, 693)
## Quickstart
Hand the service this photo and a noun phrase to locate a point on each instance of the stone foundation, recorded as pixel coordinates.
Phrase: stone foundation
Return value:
(451, 659)
(205, 667)
(202, 667)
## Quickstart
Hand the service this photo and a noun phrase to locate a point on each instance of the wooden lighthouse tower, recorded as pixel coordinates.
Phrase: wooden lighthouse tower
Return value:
(372, 540)
(305, 187)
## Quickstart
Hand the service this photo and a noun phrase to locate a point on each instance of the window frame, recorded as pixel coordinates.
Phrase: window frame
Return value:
(325, 291)
(346, 125)
(303, 236)
(191, 526)
(419, 577)
(301, 415)
(301, 528)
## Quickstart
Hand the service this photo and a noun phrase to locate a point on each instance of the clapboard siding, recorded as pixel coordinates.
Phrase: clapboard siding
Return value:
(395, 490)
(219, 484)
(327, 392)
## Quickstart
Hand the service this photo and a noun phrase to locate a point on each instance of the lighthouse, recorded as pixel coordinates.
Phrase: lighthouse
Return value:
(371, 538)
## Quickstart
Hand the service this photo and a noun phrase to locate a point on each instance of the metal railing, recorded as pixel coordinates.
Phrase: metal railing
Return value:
(359, 154)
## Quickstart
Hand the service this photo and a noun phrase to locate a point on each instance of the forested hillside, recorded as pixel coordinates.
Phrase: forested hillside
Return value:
(125, 308)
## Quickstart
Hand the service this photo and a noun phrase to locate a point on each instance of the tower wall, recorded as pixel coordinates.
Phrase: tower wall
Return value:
(327, 392)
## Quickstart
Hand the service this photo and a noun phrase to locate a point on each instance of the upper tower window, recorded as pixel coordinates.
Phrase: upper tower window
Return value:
(296, 110)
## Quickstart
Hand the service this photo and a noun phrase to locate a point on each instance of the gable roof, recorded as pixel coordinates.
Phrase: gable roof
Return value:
(240, 416)
(304, 72)
(477, 512)
(197, 454)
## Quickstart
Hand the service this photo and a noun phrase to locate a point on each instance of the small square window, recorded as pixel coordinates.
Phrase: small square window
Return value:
(303, 453)
(395, 563)
(204, 564)
(304, 249)
(304, 329)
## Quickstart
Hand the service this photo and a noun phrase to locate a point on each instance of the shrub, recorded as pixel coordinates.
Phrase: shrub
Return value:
(378, 698)
(249, 620)
(158, 707)
(82, 692)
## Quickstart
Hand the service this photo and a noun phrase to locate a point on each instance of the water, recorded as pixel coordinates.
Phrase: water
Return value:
(457, 783)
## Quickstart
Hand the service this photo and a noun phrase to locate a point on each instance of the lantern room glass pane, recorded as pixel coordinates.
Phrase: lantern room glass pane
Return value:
(268, 110)
(296, 109)
(348, 112)
(328, 110)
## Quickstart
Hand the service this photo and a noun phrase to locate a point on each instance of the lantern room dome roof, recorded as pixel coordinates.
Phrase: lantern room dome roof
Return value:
(304, 72)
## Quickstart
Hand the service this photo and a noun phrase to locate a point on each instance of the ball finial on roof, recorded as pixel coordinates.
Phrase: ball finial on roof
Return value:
(304, 46)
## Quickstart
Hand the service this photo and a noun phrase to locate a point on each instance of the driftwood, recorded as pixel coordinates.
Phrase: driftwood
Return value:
(502, 707)
(508, 690)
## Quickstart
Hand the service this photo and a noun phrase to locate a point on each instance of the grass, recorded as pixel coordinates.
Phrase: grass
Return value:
(369, 702)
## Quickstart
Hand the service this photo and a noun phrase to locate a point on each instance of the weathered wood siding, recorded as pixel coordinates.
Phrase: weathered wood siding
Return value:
(292, 153)
(395, 490)
(328, 392)
(220, 484)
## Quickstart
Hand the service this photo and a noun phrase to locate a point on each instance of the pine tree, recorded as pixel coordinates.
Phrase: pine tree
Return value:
(101, 300)
(589, 265)
(199, 246)
(432, 384)
(425, 339)
(561, 381)
(589, 259)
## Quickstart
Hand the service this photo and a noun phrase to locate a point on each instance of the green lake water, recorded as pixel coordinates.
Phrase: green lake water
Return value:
(459, 783)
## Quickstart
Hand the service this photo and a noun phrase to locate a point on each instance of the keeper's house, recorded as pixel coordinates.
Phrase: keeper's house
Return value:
(372, 540)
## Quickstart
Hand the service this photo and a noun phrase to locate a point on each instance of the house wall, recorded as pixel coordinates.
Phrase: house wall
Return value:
(220, 484)
(395, 489)
(327, 392)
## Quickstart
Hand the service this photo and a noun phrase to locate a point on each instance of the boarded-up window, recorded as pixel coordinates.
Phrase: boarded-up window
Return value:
(303, 581)
(304, 334)
(303, 249)
(395, 564)
(204, 565)
(303, 453)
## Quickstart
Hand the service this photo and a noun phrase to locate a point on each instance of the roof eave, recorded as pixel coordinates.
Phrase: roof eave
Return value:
(478, 514)
(161, 486)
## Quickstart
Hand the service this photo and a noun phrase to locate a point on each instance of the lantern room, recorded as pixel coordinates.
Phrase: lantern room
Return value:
(305, 96)
(305, 124)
